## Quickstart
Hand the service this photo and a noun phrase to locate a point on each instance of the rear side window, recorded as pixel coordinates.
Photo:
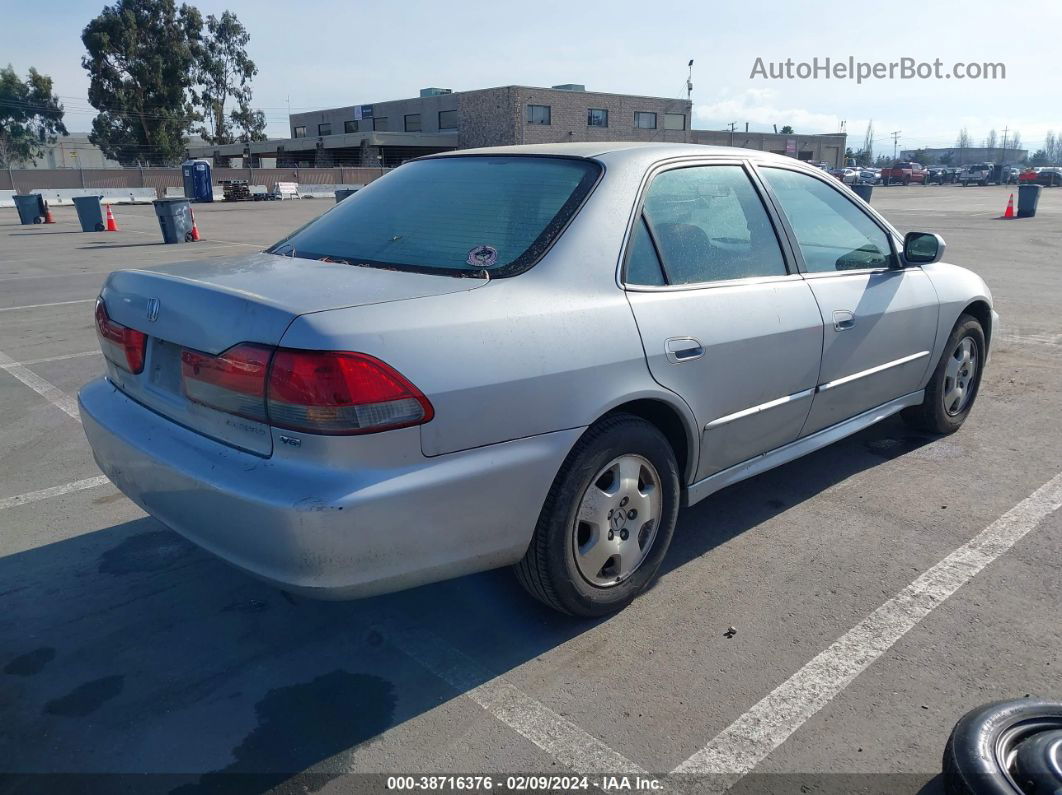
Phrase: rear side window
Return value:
(643, 264)
(455, 215)
(833, 233)
(710, 225)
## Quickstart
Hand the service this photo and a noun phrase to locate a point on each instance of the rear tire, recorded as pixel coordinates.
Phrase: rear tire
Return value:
(953, 387)
(592, 553)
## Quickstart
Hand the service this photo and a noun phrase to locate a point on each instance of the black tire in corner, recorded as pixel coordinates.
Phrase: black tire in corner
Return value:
(548, 569)
(972, 764)
(930, 414)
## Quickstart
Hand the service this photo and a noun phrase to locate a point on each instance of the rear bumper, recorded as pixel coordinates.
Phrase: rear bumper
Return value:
(336, 532)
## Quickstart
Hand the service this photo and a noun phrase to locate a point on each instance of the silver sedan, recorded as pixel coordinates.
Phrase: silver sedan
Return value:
(527, 356)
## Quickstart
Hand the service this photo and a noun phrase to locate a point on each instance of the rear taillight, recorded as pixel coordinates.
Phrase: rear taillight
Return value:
(121, 345)
(327, 392)
(233, 381)
(341, 393)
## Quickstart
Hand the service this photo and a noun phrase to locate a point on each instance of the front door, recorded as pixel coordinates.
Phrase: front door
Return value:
(723, 322)
(880, 320)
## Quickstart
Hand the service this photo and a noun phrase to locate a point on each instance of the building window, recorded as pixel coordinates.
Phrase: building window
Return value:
(538, 114)
(379, 123)
(350, 125)
(300, 132)
(645, 121)
(447, 119)
(412, 122)
(674, 121)
(596, 117)
(324, 129)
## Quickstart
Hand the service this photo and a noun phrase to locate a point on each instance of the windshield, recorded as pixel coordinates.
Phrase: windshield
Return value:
(454, 215)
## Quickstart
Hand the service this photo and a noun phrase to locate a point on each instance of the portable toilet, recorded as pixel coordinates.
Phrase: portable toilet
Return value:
(197, 182)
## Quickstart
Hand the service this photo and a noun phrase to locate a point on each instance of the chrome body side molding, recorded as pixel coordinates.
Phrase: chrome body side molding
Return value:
(872, 371)
(783, 455)
(770, 404)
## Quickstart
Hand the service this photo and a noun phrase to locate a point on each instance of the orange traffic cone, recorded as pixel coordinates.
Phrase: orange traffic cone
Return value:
(48, 219)
(1010, 208)
(195, 229)
(112, 226)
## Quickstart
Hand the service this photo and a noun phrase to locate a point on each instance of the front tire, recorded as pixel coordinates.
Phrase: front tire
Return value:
(953, 387)
(607, 521)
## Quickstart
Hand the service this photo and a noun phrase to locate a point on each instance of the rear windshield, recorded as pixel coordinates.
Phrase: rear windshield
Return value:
(453, 215)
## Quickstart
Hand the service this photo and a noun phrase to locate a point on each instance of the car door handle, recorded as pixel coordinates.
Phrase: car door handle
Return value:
(843, 320)
(683, 349)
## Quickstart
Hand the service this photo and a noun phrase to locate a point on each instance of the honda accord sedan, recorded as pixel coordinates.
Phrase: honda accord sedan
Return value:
(528, 356)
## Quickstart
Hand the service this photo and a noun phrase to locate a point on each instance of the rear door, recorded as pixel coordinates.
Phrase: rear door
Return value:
(724, 322)
(880, 320)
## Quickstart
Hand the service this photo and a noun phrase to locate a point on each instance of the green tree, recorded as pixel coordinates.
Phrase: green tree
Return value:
(30, 116)
(225, 70)
(786, 130)
(142, 61)
(1039, 158)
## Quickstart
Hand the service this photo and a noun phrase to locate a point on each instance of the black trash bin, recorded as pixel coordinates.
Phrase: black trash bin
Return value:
(175, 220)
(1028, 198)
(342, 193)
(863, 192)
(89, 213)
(30, 209)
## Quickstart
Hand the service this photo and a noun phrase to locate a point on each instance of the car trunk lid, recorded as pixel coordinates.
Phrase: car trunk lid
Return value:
(210, 306)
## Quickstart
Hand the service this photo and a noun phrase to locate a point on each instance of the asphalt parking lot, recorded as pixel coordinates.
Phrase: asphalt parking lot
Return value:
(125, 650)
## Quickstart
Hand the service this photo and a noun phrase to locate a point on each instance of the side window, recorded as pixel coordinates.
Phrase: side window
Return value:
(643, 264)
(833, 233)
(710, 225)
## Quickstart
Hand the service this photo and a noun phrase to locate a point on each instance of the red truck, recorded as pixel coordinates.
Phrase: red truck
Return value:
(903, 173)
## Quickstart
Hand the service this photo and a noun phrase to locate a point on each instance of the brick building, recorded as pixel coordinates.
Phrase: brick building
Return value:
(388, 133)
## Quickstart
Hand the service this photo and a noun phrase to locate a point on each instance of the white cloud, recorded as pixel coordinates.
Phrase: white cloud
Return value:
(761, 108)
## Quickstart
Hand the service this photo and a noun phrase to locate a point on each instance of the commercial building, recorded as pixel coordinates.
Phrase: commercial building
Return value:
(390, 132)
(70, 151)
(820, 148)
(959, 155)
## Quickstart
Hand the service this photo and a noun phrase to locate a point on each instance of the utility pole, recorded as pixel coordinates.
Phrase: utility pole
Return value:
(895, 141)
(733, 124)
(689, 82)
(1004, 155)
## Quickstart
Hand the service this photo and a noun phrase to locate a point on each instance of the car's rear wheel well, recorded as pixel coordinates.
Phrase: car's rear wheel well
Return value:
(668, 421)
(983, 313)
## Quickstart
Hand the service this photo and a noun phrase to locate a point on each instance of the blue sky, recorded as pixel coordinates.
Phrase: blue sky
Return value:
(318, 54)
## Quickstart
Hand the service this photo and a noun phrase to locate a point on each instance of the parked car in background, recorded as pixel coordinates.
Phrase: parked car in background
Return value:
(527, 356)
(1028, 175)
(977, 174)
(1010, 175)
(903, 173)
(869, 176)
(1050, 176)
(935, 174)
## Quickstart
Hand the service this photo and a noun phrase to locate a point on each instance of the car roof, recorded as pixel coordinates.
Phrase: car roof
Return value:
(614, 151)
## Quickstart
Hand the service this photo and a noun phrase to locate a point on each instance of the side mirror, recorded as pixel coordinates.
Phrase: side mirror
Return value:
(923, 248)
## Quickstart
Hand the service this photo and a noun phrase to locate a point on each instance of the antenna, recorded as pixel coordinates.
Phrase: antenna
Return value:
(689, 82)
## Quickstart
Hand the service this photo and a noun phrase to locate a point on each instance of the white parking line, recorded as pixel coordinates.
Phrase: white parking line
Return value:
(741, 746)
(45, 389)
(42, 306)
(554, 734)
(54, 491)
(60, 358)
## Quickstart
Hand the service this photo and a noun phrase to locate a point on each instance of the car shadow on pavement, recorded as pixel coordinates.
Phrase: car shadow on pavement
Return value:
(128, 650)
